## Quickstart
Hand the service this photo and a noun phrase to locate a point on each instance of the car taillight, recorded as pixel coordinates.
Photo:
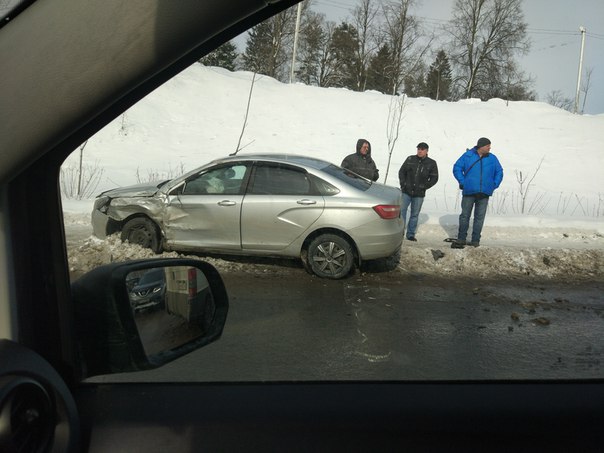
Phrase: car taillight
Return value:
(388, 211)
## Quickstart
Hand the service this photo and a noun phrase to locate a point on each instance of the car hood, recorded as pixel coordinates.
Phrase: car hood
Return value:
(147, 286)
(139, 190)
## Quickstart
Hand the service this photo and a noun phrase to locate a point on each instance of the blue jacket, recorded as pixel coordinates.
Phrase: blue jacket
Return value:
(476, 174)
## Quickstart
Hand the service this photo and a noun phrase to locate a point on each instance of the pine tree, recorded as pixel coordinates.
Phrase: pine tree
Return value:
(344, 48)
(313, 39)
(224, 57)
(378, 72)
(269, 43)
(258, 56)
(415, 83)
(438, 80)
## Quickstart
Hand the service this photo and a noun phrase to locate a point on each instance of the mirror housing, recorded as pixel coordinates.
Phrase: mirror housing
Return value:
(110, 326)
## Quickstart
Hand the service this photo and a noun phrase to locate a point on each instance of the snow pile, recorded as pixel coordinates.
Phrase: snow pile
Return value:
(577, 255)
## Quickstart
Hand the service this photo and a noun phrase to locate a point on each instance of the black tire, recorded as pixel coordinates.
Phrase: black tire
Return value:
(143, 232)
(330, 256)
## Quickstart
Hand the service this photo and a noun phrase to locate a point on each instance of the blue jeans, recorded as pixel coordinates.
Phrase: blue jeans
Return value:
(416, 206)
(469, 202)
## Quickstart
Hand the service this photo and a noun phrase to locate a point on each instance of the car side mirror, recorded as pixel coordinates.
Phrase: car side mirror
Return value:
(139, 315)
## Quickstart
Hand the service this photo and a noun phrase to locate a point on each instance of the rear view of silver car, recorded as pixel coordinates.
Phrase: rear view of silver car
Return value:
(261, 205)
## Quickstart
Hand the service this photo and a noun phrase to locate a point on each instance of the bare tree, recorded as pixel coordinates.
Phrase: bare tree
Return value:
(317, 62)
(486, 35)
(525, 185)
(401, 32)
(557, 99)
(364, 20)
(81, 181)
(247, 111)
(585, 86)
(327, 70)
(393, 125)
(160, 175)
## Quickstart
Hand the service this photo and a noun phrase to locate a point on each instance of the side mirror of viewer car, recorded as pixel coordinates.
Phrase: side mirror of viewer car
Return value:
(140, 315)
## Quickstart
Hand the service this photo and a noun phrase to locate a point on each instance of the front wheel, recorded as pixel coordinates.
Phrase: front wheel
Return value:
(143, 232)
(330, 256)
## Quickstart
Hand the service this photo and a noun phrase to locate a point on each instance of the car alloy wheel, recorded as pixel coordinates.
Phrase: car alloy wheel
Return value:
(330, 256)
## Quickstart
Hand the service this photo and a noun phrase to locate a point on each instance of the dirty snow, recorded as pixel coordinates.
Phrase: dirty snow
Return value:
(198, 116)
(565, 254)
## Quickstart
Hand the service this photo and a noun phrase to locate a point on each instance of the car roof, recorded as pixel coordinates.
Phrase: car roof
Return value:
(306, 161)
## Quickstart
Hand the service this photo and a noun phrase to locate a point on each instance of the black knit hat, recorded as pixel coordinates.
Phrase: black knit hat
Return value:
(422, 145)
(483, 141)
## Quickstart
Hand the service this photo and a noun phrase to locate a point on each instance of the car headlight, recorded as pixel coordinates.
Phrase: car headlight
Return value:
(102, 204)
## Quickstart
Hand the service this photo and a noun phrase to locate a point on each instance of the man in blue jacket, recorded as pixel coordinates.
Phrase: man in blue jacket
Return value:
(478, 173)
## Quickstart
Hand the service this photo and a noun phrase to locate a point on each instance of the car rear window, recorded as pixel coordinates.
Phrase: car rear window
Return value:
(348, 177)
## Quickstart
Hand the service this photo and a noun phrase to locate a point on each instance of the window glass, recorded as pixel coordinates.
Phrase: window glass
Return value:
(323, 187)
(279, 180)
(219, 181)
(348, 177)
(525, 304)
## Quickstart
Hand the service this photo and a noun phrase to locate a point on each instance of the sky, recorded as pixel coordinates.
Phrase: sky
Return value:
(198, 116)
(553, 27)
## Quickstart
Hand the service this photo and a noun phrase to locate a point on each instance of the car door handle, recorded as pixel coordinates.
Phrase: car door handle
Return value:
(306, 202)
(226, 203)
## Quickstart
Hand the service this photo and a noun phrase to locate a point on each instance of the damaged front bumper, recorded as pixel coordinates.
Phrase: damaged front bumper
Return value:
(99, 217)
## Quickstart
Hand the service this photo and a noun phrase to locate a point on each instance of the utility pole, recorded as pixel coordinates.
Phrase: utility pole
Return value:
(291, 75)
(582, 30)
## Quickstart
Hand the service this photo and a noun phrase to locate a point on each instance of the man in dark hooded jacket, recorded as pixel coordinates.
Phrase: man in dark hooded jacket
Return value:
(361, 162)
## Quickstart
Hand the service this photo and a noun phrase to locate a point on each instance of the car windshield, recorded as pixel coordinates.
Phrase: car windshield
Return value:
(151, 276)
(454, 233)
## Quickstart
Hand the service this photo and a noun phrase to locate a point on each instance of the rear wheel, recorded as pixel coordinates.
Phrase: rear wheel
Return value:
(143, 232)
(330, 256)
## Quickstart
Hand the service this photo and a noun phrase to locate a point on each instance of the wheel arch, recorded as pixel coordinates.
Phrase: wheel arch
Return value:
(119, 224)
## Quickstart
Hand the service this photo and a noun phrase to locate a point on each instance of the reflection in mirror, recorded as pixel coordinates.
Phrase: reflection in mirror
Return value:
(172, 306)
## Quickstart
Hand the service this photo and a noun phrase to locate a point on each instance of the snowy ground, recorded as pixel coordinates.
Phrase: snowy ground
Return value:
(563, 252)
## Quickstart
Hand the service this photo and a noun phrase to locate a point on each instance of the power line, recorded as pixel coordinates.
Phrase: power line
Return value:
(350, 6)
(595, 36)
(334, 4)
(553, 46)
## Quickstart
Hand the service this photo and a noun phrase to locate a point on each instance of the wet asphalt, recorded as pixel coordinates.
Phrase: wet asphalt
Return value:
(287, 325)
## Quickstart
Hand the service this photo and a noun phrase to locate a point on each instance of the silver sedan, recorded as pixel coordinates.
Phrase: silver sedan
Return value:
(264, 205)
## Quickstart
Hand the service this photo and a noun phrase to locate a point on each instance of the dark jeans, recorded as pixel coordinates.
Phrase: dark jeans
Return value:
(416, 206)
(469, 202)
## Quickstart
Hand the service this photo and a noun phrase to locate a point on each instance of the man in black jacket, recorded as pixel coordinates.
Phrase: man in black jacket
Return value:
(361, 162)
(417, 174)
